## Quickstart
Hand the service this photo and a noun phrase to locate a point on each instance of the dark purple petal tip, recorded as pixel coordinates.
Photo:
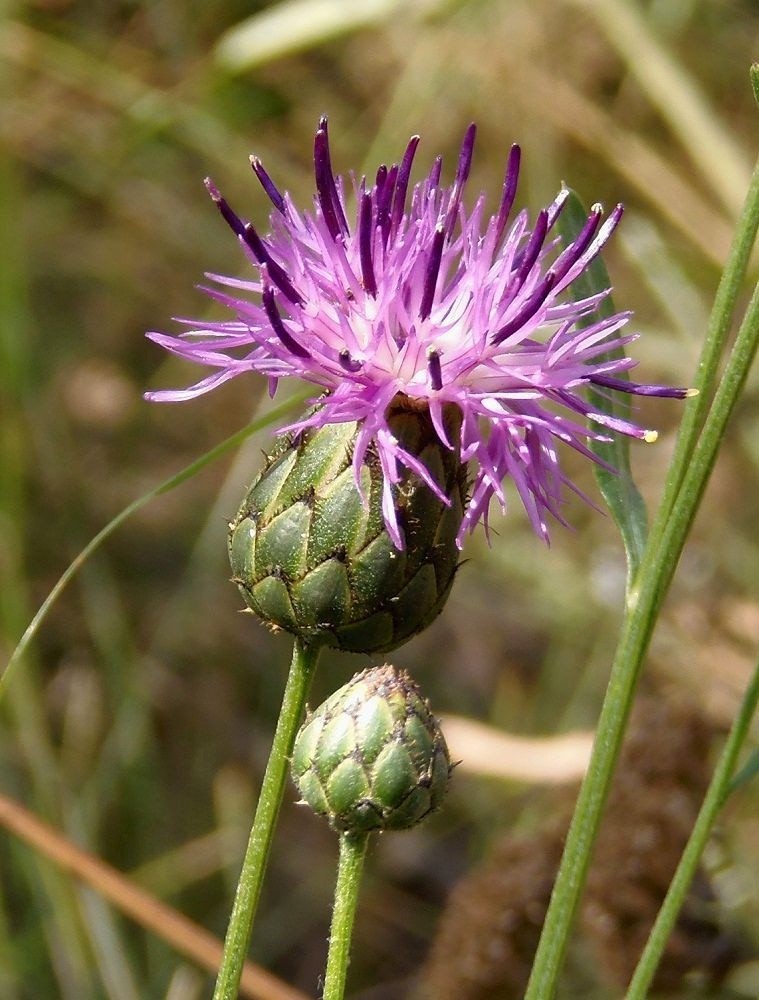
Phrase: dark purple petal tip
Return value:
(268, 184)
(639, 389)
(433, 270)
(435, 369)
(278, 326)
(233, 221)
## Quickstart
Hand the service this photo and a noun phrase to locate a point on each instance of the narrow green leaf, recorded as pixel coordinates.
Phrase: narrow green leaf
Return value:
(617, 488)
(754, 74)
(168, 484)
(747, 773)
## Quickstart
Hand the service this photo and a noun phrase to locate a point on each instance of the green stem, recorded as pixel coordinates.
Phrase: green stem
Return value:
(660, 559)
(717, 332)
(254, 865)
(352, 854)
(716, 794)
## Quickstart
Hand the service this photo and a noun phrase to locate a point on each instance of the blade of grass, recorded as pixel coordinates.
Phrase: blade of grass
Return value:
(110, 955)
(678, 98)
(60, 914)
(181, 933)
(293, 26)
(719, 789)
(632, 157)
(662, 554)
(168, 484)
(617, 488)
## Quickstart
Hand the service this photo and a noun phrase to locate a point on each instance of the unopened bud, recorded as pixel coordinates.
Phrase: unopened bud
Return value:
(372, 757)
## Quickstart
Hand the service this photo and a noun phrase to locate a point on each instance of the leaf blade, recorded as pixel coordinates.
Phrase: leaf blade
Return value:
(618, 488)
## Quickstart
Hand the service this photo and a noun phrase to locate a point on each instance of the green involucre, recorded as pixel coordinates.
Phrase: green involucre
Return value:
(372, 757)
(311, 557)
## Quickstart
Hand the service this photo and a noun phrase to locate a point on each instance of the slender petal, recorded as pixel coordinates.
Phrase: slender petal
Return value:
(411, 294)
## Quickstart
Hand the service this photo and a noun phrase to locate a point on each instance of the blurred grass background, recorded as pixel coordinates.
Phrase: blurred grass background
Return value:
(139, 724)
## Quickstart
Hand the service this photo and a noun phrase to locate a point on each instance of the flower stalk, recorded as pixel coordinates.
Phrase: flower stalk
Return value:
(717, 793)
(689, 472)
(371, 757)
(270, 798)
(350, 867)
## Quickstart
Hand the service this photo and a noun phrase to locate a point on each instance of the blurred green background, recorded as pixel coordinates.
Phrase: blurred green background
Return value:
(140, 722)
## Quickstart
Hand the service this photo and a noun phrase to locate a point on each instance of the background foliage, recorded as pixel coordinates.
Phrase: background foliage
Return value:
(140, 724)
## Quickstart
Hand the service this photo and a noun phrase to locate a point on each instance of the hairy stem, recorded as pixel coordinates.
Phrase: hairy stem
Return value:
(352, 854)
(254, 865)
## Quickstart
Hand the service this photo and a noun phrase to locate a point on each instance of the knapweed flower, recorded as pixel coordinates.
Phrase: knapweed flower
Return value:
(420, 299)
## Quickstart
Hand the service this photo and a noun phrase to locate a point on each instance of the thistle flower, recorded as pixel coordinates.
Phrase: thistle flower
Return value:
(419, 298)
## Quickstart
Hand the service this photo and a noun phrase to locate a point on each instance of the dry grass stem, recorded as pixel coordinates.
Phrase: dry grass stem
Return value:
(549, 760)
(177, 930)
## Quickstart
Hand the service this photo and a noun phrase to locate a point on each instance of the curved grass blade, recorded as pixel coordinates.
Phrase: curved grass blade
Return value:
(747, 773)
(618, 489)
(168, 484)
(717, 793)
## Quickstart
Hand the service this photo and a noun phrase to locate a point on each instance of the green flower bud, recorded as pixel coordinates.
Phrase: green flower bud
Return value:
(310, 556)
(372, 757)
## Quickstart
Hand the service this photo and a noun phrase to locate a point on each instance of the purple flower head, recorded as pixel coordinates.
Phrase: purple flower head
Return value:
(414, 294)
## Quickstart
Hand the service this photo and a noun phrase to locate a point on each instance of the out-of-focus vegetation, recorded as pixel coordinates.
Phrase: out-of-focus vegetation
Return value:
(139, 724)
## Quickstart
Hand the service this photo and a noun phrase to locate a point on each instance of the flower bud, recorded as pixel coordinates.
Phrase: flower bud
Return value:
(314, 557)
(372, 757)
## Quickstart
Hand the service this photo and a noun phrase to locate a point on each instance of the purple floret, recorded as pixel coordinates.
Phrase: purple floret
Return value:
(420, 297)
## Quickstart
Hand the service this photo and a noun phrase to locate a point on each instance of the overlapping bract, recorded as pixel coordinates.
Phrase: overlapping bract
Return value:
(372, 756)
